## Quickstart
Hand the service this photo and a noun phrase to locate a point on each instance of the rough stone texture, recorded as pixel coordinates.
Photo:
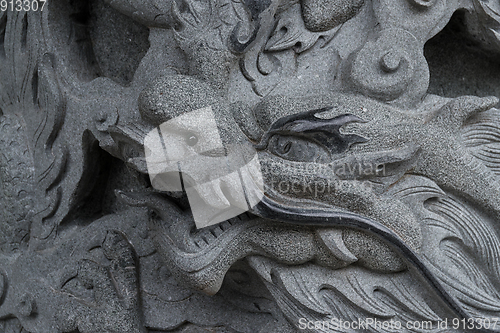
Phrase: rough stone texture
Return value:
(375, 124)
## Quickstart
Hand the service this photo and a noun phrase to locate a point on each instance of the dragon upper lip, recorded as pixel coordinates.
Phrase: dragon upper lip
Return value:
(204, 238)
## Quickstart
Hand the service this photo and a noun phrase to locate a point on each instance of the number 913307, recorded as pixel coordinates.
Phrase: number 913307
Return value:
(22, 5)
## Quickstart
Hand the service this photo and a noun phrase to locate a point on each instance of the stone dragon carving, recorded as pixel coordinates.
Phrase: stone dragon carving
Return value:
(379, 200)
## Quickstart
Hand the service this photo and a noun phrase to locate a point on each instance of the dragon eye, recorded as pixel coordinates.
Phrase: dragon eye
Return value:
(191, 140)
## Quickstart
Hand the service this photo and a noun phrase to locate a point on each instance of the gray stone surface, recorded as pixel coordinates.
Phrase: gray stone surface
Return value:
(357, 140)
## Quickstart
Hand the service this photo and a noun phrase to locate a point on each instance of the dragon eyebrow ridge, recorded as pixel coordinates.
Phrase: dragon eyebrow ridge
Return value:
(323, 131)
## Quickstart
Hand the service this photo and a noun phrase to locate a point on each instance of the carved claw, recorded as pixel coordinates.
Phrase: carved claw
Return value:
(256, 8)
(179, 22)
(115, 307)
(234, 43)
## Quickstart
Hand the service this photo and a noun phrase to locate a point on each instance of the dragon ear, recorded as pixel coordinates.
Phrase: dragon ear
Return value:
(323, 131)
(456, 113)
